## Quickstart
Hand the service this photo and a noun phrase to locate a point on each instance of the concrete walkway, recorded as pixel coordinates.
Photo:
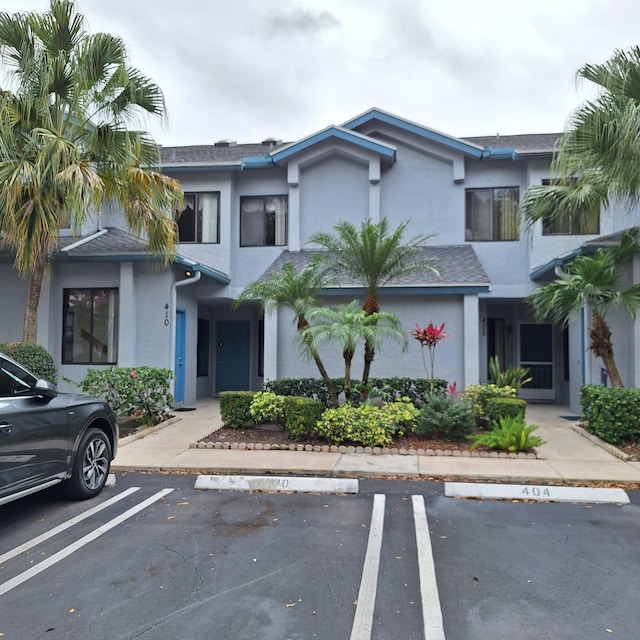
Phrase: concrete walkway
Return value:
(566, 457)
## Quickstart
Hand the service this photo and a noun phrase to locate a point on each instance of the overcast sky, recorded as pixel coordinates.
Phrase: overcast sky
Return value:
(247, 70)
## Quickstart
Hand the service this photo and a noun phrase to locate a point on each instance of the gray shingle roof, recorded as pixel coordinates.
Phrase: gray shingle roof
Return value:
(213, 154)
(113, 242)
(458, 266)
(524, 144)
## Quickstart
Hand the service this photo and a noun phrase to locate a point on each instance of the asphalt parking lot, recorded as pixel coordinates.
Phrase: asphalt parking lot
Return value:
(154, 558)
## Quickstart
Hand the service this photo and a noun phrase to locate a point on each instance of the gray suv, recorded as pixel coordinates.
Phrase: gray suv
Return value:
(47, 438)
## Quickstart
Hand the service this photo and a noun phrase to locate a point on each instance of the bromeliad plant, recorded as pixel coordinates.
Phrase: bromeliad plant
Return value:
(429, 336)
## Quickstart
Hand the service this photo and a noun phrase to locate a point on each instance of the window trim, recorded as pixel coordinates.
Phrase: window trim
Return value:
(467, 212)
(285, 231)
(65, 310)
(198, 223)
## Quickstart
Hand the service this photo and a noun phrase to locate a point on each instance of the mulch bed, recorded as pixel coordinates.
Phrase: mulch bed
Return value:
(276, 436)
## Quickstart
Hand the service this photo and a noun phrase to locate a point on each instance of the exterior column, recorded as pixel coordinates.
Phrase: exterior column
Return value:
(271, 345)
(43, 316)
(293, 179)
(374, 190)
(127, 317)
(471, 340)
(635, 340)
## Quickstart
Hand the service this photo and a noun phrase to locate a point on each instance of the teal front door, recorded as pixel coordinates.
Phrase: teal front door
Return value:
(233, 356)
(178, 386)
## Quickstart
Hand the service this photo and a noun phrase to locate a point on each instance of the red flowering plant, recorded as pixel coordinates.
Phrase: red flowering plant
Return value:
(429, 336)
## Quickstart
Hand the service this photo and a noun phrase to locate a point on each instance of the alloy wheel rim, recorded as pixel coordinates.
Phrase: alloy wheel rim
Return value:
(95, 464)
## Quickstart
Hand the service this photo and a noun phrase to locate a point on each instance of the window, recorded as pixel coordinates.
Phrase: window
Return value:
(263, 221)
(90, 326)
(491, 214)
(572, 223)
(200, 220)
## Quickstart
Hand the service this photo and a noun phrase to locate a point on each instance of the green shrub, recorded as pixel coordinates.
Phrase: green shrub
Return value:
(267, 407)
(401, 415)
(611, 414)
(363, 425)
(478, 395)
(34, 357)
(509, 434)
(143, 392)
(444, 417)
(235, 408)
(301, 416)
(385, 388)
(497, 408)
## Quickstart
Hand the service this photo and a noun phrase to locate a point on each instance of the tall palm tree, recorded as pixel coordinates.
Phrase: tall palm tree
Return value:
(598, 157)
(372, 256)
(298, 291)
(592, 280)
(349, 324)
(65, 141)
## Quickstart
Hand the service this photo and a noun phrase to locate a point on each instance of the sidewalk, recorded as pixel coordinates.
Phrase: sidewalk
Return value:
(566, 457)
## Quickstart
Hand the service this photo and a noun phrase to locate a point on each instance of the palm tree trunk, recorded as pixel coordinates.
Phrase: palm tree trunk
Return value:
(36, 276)
(370, 307)
(600, 335)
(302, 323)
(347, 354)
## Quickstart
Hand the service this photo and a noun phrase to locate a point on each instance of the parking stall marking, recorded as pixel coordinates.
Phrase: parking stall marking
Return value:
(431, 609)
(363, 620)
(65, 525)
(90, 537)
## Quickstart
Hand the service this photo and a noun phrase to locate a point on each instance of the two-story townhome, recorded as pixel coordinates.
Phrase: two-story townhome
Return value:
(252, 207)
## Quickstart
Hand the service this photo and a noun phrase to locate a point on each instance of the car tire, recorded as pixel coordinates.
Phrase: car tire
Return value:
(91, 466)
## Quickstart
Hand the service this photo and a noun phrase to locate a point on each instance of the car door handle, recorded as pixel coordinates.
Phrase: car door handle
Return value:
(5, 428)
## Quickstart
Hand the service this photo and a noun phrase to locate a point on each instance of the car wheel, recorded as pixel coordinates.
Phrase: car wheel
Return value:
(91, 465)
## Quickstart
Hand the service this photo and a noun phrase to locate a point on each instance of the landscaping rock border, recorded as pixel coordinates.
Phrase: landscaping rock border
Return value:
(610, 448)
(375, 451)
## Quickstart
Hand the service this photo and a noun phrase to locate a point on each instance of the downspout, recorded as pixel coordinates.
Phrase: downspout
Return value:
(174, 300)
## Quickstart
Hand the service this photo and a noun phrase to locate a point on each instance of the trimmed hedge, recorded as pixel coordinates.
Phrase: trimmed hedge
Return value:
(235, 408)
(611, 414)
(395, 388)
(497, 408)
(34, 357)
(301, 415)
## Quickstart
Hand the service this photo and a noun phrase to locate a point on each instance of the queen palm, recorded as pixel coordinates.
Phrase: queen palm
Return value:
(298, 291)
(348, 325)
(598, 157)
(592, 280)
(65, 141)
(372, 256)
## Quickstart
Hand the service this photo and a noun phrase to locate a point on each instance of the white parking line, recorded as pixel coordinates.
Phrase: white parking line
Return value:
(363, 620)
(431, 610)
(90, 537)
(65, 525)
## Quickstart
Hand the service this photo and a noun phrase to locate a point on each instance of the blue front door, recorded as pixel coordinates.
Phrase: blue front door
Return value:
(178, 387)
(233, 356)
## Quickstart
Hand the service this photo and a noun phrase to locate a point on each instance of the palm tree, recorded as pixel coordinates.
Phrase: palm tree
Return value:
(347, 325)
(592, 280)
(65, 145)
(372, 256)
(598, 157)
(297, 291)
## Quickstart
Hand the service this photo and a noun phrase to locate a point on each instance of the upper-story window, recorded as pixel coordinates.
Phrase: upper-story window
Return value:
(572, 223)
(263, 221)
(491, 214)
(200, 219)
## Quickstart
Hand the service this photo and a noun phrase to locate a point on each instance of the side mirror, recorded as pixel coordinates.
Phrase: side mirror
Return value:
(45, 389)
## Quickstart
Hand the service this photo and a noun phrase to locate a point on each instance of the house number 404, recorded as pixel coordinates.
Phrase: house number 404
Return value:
(536, 492)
